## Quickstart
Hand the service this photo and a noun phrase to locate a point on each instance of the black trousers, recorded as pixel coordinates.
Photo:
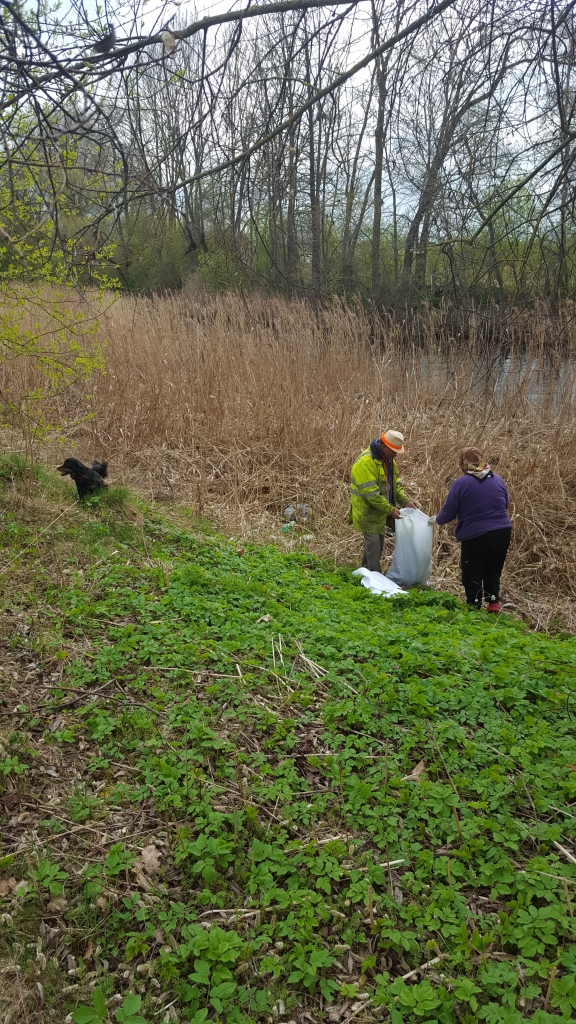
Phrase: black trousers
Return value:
(482, 560)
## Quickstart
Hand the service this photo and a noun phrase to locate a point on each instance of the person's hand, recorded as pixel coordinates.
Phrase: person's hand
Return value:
(409, 504)
(432, 520)
(396, 514)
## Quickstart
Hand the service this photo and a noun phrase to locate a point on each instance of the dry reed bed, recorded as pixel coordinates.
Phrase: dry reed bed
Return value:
(242, 407)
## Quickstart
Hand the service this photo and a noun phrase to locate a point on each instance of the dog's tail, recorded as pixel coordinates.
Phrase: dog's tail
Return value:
(101, 468)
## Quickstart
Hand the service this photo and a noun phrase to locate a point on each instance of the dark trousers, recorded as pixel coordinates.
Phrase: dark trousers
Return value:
(482, 560)
(373, 548)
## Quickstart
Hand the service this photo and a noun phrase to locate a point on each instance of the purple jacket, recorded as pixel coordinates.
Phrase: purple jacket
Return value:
(479, 505)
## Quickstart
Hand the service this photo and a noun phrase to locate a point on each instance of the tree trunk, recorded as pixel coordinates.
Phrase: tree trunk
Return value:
(378, 169)
(315, 221)
(420, 262)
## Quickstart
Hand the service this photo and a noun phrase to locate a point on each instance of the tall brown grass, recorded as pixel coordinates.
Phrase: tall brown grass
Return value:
(239, 408)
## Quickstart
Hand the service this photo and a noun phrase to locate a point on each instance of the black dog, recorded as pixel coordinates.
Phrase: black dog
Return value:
(87, 481)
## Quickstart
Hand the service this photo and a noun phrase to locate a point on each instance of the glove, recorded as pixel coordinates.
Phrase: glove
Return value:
(432, 520)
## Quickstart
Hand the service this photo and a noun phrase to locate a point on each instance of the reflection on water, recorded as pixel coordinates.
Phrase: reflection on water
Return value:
(502, 377)
(537, 381)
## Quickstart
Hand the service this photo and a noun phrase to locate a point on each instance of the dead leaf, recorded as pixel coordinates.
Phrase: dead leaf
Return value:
(89, 951)
(264, 618)
(59, 905)
(416, 772)
(51, 938)
(150, 859)
(143, 882)
(7, 886)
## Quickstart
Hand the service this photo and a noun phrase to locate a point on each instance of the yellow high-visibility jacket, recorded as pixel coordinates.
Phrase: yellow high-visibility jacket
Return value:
(369, 493)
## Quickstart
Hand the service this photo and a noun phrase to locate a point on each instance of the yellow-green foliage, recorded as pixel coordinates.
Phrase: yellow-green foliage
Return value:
(46, 347)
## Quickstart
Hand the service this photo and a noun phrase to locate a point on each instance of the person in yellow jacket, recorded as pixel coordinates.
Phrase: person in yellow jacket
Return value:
(376, 494)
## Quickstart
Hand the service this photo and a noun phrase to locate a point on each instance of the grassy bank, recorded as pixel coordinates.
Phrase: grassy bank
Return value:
(237, 787)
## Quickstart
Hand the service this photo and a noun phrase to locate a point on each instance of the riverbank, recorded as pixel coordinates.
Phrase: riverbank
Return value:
(239, 787)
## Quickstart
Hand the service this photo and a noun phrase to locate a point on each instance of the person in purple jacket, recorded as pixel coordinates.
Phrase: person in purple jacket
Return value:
(479, 501)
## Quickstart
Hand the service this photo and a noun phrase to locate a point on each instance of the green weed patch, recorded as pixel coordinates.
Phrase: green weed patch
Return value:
(256, 791)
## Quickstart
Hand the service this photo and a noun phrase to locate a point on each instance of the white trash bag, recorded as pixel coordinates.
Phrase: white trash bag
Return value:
(412, 561)
(376, 583)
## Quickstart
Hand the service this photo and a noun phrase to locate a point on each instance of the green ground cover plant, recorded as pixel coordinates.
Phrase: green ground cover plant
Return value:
(239, 788)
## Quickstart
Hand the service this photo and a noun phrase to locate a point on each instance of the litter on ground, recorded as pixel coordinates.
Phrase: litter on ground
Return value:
(376, 583)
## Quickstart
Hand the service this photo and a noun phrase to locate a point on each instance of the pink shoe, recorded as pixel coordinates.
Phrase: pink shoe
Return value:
(493, 606)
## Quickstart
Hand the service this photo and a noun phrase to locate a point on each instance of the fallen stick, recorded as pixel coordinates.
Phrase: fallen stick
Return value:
(560, 878)
(569, 856)
(560, 811)
(244, 911)
(384, 864)
(363, 1006)
(56, 706)
(417, 970)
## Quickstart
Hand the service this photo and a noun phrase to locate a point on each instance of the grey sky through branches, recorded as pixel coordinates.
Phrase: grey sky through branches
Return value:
(322, 133)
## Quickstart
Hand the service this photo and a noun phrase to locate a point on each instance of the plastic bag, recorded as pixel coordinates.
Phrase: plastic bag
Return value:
(376, 583)
(412, 561)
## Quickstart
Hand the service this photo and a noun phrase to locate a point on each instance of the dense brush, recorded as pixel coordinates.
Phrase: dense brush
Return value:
(241, 409)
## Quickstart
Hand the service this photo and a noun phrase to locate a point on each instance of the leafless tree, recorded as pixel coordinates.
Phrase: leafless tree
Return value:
(320, 145)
